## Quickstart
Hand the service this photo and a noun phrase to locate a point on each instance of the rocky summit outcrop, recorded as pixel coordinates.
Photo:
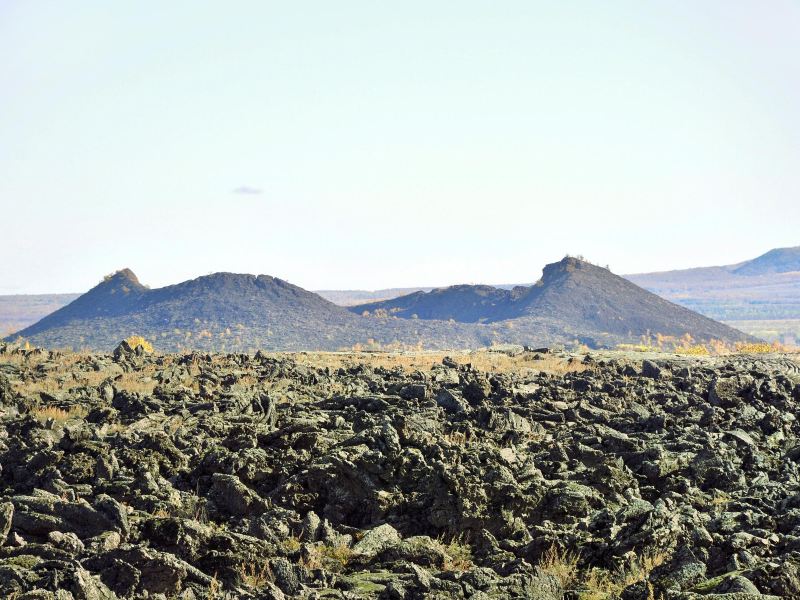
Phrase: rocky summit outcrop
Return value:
(200, 476)
(588, 301)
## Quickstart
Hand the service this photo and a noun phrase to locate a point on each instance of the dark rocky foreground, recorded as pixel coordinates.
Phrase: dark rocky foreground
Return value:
(200, 477)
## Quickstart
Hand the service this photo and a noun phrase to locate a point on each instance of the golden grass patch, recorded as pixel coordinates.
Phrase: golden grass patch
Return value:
(561, 564)
(45, 413)
(490, 362)
(255, 576)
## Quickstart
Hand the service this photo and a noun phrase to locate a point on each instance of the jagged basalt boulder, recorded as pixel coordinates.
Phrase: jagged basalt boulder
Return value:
(236, 476)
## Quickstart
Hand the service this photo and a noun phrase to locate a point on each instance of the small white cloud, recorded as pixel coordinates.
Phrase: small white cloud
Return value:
(247, 190)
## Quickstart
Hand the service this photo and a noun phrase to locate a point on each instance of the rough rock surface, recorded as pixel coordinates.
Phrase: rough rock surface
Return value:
(233, 476)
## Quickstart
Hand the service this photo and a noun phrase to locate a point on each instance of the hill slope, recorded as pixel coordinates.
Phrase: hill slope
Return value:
(227, 311)
(767, 287)
(121, 305)
(579, 297)
(573, 301)
(354, 297)
(463, 303)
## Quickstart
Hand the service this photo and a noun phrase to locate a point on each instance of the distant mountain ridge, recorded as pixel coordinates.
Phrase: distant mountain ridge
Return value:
(778, 260)
(766, 287)
(225, 311)
(775, 261)
(18, 311)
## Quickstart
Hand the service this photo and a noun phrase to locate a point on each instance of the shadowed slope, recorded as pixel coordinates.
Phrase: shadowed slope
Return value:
(580, 296)
(116, 295)
(463, 303)
(227, 311)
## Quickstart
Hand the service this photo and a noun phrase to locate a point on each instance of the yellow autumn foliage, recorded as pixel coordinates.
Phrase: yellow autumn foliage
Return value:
(137, 340)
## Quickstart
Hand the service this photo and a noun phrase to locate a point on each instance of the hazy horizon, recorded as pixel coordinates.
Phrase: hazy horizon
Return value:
(364, 289)
(372, 146)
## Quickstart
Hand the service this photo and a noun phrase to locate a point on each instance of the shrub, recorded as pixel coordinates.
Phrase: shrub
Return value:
(638, 348)
(291, 544)
(333, 557)
(692, 350)
(758, 348)
(459, 555)
(137, 340)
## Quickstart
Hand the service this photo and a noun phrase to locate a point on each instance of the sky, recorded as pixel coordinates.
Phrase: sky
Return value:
(372, 144)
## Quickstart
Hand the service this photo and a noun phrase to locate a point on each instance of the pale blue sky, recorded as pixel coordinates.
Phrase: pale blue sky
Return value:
(392, 143)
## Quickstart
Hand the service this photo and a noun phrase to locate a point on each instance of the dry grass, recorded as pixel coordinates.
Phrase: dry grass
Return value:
(458, 554)
(717, 348)
(686, 345)
(214, 589)
(173, 424)
(63, 379)
(494, 362)
(600, 584)
(643, 566)
(457, 438)
(255, 576)
(638, 348)
(693, 350)
(69, 373)
(326, 556)
(247, 381)
(66, 358)
(340, 554)
(138, 382)
(59, 415)
(48, 385)
(719, 499)
(760, 348)
(561, 564)
(91, 378)
(114, 428)
(721, 349)
(422, 361)
(291, 544)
